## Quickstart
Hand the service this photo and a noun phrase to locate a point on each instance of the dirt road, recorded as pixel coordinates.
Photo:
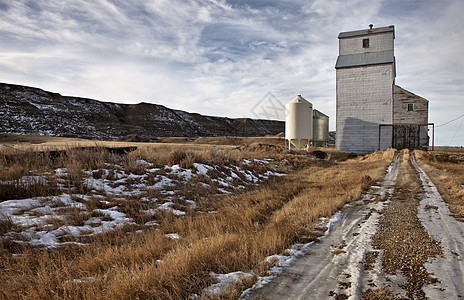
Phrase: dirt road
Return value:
(437, 219)
(397, 242)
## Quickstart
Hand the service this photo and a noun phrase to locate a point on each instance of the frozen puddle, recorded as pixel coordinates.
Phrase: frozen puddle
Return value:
(441, 226)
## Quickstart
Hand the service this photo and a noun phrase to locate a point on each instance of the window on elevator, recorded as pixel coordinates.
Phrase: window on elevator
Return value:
(365, 43)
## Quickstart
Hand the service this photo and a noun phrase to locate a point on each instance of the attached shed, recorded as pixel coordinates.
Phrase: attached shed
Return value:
(410, 120)
(409, 108)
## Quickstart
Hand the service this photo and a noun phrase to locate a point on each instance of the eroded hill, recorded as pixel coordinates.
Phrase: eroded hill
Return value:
(28, 110)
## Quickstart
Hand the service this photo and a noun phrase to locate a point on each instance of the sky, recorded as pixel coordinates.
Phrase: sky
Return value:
(229, 58)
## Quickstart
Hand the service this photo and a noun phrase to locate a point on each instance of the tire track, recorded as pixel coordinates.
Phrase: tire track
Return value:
(334, 267)
(403, 241)
(437, 219)
(397, 242)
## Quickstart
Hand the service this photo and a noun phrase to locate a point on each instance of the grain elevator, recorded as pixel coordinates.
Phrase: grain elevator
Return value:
(373, 113)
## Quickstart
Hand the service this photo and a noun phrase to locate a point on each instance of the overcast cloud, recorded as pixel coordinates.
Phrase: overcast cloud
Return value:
(221, 57)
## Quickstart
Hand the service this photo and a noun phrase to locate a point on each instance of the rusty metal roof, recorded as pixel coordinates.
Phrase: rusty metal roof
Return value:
(364, 59)
(349, 34)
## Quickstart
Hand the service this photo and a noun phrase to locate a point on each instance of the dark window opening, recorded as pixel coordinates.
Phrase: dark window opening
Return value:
(365, 43)
(411, 107)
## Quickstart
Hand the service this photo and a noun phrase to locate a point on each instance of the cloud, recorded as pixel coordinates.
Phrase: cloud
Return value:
(221, 57)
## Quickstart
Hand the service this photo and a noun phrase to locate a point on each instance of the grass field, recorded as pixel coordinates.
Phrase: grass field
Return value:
(166, 220)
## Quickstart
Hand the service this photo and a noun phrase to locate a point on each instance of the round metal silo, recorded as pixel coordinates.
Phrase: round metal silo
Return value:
(298, 122)
(320, 128)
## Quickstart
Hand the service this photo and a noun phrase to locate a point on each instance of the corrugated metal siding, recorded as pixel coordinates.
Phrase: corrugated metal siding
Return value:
(364, 100)
(365, 59)
(320, 126)
(363, 137)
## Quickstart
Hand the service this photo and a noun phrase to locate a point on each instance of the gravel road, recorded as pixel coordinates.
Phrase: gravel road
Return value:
(397, 242)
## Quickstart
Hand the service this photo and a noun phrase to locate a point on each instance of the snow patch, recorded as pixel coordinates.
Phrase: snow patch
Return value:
(202, 168)
(442, 227)
(172, 236)
(225, 281)
(37, 216)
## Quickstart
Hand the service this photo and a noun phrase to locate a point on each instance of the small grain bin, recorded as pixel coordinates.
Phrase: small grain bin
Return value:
(298, 122)
(320, 128)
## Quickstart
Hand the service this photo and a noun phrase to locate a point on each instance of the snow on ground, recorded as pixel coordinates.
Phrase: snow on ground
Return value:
(55, 220)
(335, 259)
(279, 261)
(173, 236)
(441, 226)
(225, 281)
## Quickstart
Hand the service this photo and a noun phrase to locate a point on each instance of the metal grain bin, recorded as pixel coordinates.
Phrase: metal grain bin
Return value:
(298, 122)
(320, 128)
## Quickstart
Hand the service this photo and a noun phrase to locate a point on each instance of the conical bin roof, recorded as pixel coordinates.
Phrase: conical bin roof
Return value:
(299, 99)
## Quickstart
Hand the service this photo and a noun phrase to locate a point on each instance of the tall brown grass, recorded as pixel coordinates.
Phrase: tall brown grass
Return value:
(17, 176)
(239, 234)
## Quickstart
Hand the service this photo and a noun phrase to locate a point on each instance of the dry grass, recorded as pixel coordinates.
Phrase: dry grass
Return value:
(408, 178)
(243, 230)
(446, 169)
(6, 224)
